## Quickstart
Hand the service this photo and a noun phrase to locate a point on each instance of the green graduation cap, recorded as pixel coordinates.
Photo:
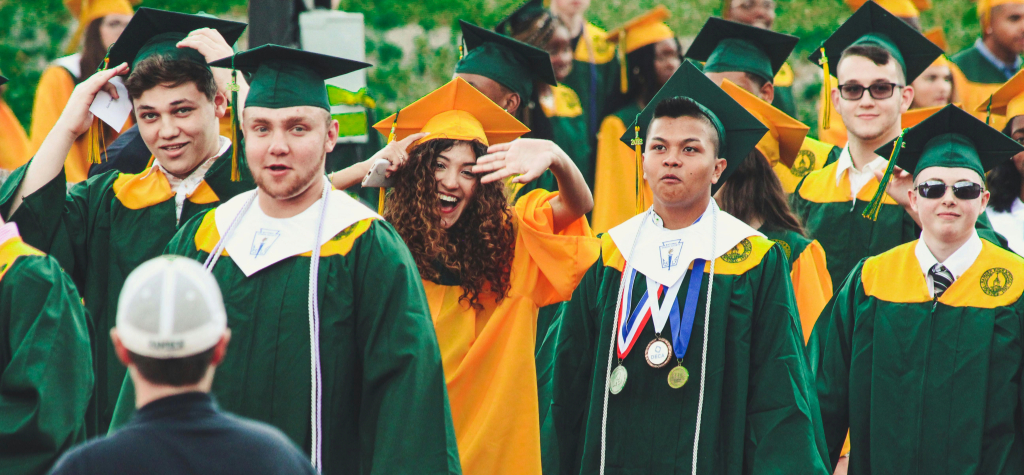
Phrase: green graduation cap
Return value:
(952, 138)
(154, 31)
(523, 13)
(738, 131)
(730, 46)
(874, 25)
(511, 63)
(285, 77)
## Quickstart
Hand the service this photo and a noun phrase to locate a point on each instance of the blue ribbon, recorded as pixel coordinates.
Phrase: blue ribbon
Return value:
(636, 311)
(682, 327)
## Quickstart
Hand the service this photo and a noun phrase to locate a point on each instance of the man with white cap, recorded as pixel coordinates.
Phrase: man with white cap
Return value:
(172, 333)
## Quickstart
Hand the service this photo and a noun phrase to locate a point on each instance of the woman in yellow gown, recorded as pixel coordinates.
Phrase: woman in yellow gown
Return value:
(100, 23)
(14, 145)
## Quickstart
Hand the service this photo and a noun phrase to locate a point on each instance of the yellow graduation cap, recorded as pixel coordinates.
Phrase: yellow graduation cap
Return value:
(900, 8)
(785, 134)
(915, 116)
(453, 111)
(86, 11)
(641, 31)
(1008, 100)
(938, 36)
(985, 9)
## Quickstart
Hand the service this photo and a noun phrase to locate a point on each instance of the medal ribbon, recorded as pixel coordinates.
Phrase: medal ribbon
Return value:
(628, 323)
(682, 327)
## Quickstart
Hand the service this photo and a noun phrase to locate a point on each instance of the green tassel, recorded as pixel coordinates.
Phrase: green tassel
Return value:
(988, 111)
(875, 205)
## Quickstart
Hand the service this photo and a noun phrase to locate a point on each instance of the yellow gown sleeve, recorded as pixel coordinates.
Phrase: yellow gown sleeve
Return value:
(548, 266)
(52, 94)
(811, 284)
(615, 178)
(14, 144)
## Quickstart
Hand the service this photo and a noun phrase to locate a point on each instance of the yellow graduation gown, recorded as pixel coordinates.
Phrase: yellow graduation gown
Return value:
(488, 354)
(14, 144)
(813, 156)
(615, 173)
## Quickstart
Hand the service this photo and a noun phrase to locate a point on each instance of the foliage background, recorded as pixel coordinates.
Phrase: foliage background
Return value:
(414, 48)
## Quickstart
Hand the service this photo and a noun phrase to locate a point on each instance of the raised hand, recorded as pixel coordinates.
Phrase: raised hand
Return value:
(396, 152)
(527, 158)
(76, 118)
(209, 43)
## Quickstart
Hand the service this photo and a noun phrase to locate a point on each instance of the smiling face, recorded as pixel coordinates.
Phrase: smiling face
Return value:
(286, 149)
(679, 161)
(179, 125)
(456, 183)
(869, 119)
(948, 219)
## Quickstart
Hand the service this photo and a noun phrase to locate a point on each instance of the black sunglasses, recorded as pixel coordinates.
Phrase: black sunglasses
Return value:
(878, 90)
(964, 190)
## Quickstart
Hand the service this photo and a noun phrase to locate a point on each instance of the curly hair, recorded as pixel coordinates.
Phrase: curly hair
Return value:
(478, 248)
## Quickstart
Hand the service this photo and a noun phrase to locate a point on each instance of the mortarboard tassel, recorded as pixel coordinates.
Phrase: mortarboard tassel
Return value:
(623, 72)
(988, 111)
(97, 139)
(236, 174)
(637, 144)
(391, 138)
(875, 205)
(826, 93)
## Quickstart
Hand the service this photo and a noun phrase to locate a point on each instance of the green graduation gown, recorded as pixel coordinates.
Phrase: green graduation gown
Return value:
(45, 364)
(99, 231)
(924, 386)
(835, 219)
(760, 412)
(385, 404)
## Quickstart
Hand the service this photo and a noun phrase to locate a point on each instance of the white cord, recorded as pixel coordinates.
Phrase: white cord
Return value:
(615, 328)
(316, 381)
(707, 321)
(211, 260)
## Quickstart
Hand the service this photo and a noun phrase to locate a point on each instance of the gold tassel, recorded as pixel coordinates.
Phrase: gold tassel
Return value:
(380, 200)
(875, 205)
(96, 141)
(826, 93)
(236, 173)
(623, 71)
(637, 144)
(391, 138)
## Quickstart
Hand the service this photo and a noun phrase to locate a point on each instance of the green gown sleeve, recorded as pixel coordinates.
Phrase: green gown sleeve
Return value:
(574, 336)
(829, 354)
(46, 378)
(408, 427)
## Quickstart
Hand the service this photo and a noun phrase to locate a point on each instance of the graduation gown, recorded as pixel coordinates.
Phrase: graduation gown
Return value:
(594, 76)
(45, 366)
(835, 219)
(813, 155)
(569, 126)
(924, 386)
(102, 229)
(760, 412)
(488, 354)
(808, 270)
(615, 168)
(14, 144)
(385, 407)
(975, 79)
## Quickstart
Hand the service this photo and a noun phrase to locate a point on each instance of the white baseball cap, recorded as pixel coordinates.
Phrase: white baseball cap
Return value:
(170, 307)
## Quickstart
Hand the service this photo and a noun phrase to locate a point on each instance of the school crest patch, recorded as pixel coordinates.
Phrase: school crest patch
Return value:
(785, 247)
(739, 253)
(996, 281)
(803, 163)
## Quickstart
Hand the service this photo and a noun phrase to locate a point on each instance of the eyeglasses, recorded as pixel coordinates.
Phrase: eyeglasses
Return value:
(964, 190)
(879, 90)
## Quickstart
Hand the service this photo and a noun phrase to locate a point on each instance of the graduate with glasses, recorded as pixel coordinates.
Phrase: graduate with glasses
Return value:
(919, 354)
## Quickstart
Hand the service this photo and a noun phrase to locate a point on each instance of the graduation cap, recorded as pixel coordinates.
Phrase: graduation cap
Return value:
(873, 25)
(730, 46)
(738, 131)
(1008, 100)
(509, 62)
(900, 8)
(3, 80)
(785, 134)
(285, 77)
(951, 138)
(646, 29)
(937, 36)
(154, 31)
(524, 12)
(454, 111)
(87, 11)
(913, 117)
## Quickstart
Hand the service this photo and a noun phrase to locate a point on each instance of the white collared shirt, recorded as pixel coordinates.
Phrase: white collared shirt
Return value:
(957, 263)
(1010, 224)
(182, 187)
(858, 178)
(7, 232)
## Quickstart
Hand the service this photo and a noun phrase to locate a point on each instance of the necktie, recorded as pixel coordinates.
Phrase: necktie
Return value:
(941, 279)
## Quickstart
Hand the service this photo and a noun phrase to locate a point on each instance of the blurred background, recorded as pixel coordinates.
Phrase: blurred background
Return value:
(414, 44)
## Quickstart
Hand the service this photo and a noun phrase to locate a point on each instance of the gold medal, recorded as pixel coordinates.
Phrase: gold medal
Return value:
(678, 377)
(618, 379)
(658, 352)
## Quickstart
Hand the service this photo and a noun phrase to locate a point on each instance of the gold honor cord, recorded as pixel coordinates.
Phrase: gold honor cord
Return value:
(637, 149)
(826, 92)
(875, 205)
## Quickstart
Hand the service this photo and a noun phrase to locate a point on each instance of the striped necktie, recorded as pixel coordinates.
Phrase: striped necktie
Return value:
(941, 279)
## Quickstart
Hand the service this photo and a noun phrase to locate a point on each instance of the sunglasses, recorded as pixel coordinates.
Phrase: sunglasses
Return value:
(878, 90)
(963, 190)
